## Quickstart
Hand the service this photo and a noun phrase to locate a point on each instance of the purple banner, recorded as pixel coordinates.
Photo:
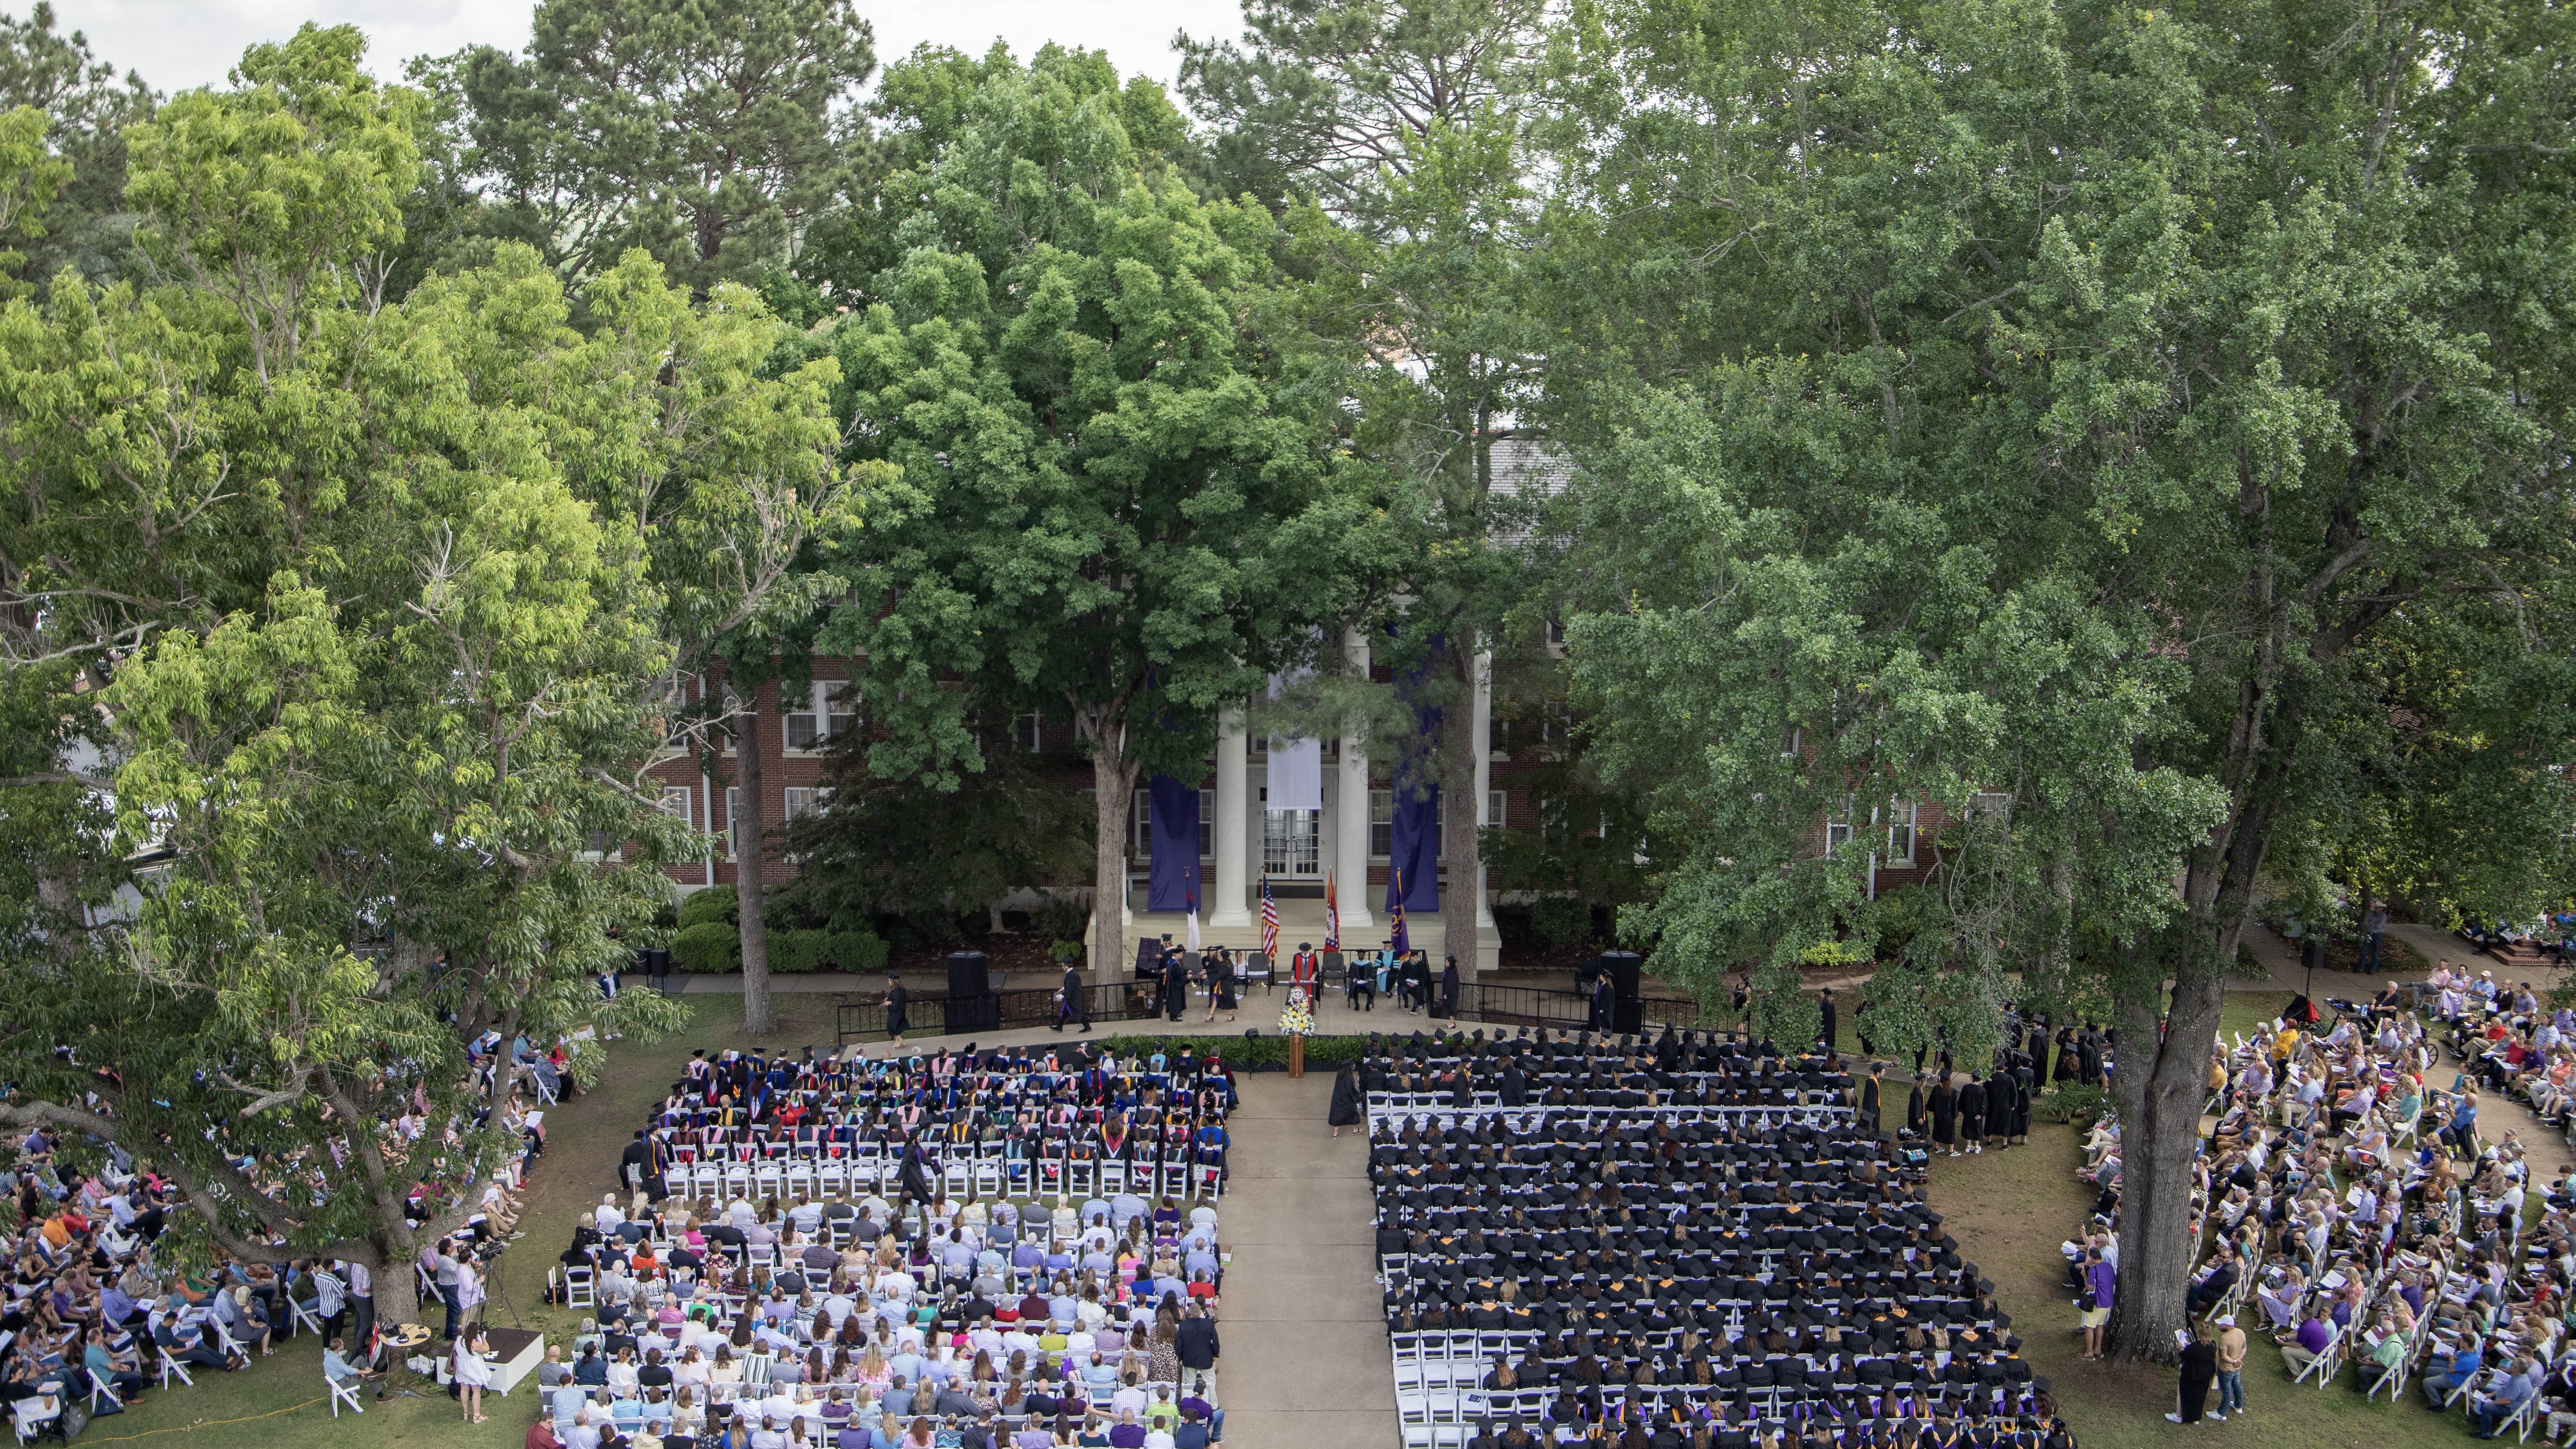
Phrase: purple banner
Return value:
(1172, 820)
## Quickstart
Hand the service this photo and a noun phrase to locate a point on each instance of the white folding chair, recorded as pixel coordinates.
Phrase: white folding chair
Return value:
(169, 1366)
(344, 1394)
(579, 1288)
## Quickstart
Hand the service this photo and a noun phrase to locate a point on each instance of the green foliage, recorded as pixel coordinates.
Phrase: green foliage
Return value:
(1062, 918)
(815, 950)
(86, 106)
(1106, 509)
(708, 946)
(1781, 1010)
(704, 135)
(2079, 1105)
(1325, 100)
(2153, 416)
(1266, 1052)
(30, 176)
(716, 903)
(896, 846)
(1562, 920)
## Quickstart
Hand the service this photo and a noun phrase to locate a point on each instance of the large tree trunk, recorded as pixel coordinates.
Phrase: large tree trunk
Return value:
(1460, 845)
(2161, 1085)
(751, 848)
(1113, 782)
(397, 1291)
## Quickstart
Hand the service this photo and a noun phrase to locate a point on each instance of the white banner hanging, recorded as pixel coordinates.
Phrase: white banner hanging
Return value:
(1296, 774)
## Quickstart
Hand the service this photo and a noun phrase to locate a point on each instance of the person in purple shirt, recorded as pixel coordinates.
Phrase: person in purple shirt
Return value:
(2303, 1347)
(2099, 1279)
(1126, 1433)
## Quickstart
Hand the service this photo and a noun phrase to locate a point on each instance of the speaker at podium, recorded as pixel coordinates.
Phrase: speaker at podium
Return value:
(973, 1002)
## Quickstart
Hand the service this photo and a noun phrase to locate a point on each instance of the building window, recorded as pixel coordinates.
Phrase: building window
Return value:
(1837, 835)
(1025, 732)
(675, 803)
(801, 803)
(1997, 803)
(733, 821)
(1381, 824)
(1556, 633)
(1494, 805)
(1142, 844)
(833, 709)
(1900, 833)
(1207, 825)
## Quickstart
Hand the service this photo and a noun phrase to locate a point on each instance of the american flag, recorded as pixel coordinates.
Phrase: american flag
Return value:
(1269, 919)
(1403, 943)
(1332, 917)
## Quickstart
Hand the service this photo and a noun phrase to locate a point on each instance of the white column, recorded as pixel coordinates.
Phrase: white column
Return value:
(1484, 770)
(1233, 825)
(1351, 811)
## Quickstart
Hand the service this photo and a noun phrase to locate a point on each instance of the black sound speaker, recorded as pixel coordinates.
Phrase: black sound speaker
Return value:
(972, 1006)
(1623, 967)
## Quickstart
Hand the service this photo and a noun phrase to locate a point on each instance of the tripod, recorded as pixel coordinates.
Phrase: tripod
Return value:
(501, 1291)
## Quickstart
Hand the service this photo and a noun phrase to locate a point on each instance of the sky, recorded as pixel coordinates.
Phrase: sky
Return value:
(178, 44)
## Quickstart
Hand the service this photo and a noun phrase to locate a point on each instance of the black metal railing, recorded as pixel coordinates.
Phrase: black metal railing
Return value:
(927, 1016)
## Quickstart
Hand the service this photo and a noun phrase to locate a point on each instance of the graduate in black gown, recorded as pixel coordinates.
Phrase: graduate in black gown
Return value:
(1999, 1107)
(1945, 1114)
(1972, 1115)
(1914, 1109)
(1346, 1109)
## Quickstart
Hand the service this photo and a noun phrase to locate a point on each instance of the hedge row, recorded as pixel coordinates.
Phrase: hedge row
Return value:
(716, 947)
(1266, 1052)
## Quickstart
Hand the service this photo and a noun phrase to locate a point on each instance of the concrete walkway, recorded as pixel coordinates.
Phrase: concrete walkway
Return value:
(1305, 1361)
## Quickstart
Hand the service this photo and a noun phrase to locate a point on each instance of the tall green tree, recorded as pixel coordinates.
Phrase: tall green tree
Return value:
(1109, 504)
(368, 614)
(1326, 98)
(86, 107)
(707, 135)
(1394, 134)
(2058, 401)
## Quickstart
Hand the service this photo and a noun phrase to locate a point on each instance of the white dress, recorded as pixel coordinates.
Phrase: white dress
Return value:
(472, 1370)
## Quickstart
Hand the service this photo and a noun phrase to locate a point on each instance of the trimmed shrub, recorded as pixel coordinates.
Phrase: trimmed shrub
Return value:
(1561, 920)
(859, 952)
(796, 951)
(713, 905)
(708, 946)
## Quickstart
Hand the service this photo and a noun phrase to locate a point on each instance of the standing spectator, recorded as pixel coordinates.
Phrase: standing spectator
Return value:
(2199, 1367)
(2231, 1368)
(2100, 1279)
(2374, 927)
(1196, 1347)
(1825, 1009)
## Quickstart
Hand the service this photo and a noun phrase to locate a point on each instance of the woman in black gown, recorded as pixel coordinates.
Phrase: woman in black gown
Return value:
(1346, 1100)
(2067, 1063)
(2199, 1371)
(1945, 1115)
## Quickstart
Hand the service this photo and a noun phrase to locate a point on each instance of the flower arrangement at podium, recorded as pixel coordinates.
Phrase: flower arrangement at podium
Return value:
(1295, 1023)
